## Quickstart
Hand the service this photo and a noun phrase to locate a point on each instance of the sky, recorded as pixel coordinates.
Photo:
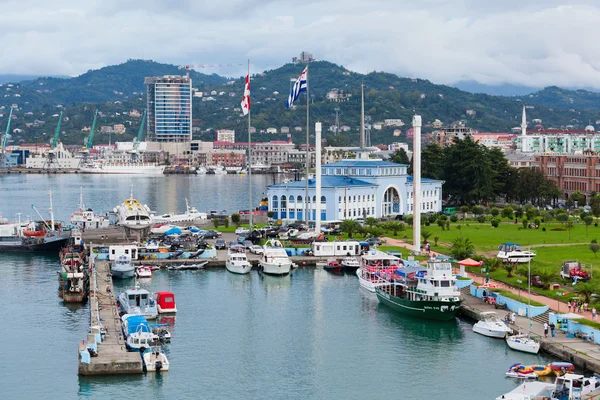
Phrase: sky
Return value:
(533, 43)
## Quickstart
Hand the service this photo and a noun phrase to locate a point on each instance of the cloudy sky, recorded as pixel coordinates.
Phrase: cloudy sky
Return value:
(533, 42)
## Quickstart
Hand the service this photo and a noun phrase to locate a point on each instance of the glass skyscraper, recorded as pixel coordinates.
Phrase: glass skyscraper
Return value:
(169, 108)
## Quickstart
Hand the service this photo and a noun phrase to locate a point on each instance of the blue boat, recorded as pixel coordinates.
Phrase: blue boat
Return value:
(137, 331)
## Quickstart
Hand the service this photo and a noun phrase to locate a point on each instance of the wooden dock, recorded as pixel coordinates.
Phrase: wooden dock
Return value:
(105, 337)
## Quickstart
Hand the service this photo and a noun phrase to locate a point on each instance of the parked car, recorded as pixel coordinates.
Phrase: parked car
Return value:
(220, 244)
(212, 234)
(374, 241)
(537, 281)
(241, 239)
(247, 244)
(241, 230)
(255, 249)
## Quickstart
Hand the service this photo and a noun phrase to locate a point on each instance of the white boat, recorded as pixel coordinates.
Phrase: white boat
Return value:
(57, 158)
(122, 268)
(490, 325)
(85, 218)
(566, 387)
(529, 391)
(219, 170)
(350, 263)
(136, 331)
(274, 260)
(122, 168)
(373, 266)
(201, 171)
(143, 272)
(162, 228)
(237, 262)
(523, 343)
(190, 215)
(138, 301)
(512, 253)
(133, 215)
(155, 360)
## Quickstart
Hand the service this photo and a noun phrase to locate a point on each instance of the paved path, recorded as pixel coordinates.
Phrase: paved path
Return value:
(401, 243)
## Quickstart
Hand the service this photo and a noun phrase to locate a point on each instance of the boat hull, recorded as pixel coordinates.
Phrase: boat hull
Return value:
(276, 269)
(238, 269)
(368, 284)
(435, 310)
(47, 245)
(482, 330)
(526, 346)
(123, 273)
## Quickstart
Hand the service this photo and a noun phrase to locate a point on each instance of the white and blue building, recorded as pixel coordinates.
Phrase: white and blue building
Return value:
(352, 189)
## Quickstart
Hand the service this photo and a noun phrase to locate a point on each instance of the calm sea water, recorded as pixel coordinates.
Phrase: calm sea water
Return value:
(311, 335)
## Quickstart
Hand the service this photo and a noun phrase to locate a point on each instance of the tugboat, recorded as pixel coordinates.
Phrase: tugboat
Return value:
(429, 292)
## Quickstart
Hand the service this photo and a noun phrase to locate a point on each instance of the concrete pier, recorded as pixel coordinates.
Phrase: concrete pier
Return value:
(105, 337)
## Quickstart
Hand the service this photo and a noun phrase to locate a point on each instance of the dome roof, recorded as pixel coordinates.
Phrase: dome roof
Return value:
(590, 128)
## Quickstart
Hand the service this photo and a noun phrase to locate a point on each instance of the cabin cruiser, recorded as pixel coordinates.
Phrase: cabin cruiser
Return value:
(190, 215)
(86, 219)
(490, 325)
(166, 302)
(138, 301)
(122, 268)
(136, 330)
(274, 260)
(237, 262)
(133, 215)
(373, 266)
(512, 253)
(143, 272)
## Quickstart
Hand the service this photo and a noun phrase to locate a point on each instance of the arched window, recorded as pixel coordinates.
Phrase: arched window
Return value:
(340, 199)
(391, 202)
(275, 202)
(299, 200)
(314, 199)
(323, 200)
(283, 202)
(354, 199)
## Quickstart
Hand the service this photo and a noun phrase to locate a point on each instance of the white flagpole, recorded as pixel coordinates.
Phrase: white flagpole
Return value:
(307, 146)
(249, 150)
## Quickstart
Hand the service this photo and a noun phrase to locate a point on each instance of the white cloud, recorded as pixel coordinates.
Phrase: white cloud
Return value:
(538, 43)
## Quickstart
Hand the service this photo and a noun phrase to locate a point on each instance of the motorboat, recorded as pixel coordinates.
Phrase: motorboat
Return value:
(520, 371)
(160, 333)
(162, 228)
(567, 387)
(122, 268)
(373, 266)
(333, 265)
(200, 170)
(166, 302)
(136, 330)
(237, 262)
(137, 168)
(274, 260)
(86, 218)
(143, 272)
(73, 278)
(138, 301)
(523, 343)
(187, 267)
(218, 170)
(190, 215)
(490, 325)
(350, 263)
(529, 391)
(133, 215)
(155, 360)
(512, 253)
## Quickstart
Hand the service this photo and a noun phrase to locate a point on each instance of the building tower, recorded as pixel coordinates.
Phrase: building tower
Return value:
(524, 131)
(362, 117)
(169, 105)
(416, 184)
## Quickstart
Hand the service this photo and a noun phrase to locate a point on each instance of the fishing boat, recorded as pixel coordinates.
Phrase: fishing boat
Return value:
(137, 332)
(73, 278)
(274, 260)
(237, 262)
(374, 265)
(138, 301)
(491, 326)
(86, 218)
(122, 268)
(512, 253)
(426, 292)
(133, 215)
(190, 215)
(143, 272)
(155, 360)
(350, 264)
(166, 302)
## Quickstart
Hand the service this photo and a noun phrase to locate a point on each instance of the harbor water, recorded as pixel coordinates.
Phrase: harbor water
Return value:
(310, 335)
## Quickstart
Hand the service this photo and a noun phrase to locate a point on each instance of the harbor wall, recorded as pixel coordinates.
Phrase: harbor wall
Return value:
(511, 304)
(572, 327)
(463, 283)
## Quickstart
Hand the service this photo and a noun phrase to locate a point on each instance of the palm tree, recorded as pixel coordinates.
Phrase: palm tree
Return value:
(395, 227)
(426, 235)
(494, 263)
(509, 268)
(546, 275)
(350, 227)
(462, 248)
(584, 289)
(370, 221)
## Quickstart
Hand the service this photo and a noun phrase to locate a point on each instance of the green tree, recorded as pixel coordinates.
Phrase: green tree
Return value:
(465, 210)
(495, 212)
(426, 235)
(546, 275)
(350, 227)
(436, 238)
(226, 222)
(569, 228)
(373, 231)
(562, 217)
(462, 248)
(594, 247)
(236, 219)
(494, 263)
(400, 157)
(395, 227)
(588, 221)
(509, 268)
(432, 161)
(370, 221)
(216, 222)
(578, 197)
(408, 219)
(477, 210)
(584, 289)
(595, 204)
(507, 212)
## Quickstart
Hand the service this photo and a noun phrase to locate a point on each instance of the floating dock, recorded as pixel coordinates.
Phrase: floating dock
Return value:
(105, 338)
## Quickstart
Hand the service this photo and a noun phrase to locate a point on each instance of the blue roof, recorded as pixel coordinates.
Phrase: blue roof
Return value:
(326, 181)
(409, 270)
(137, 322)
(409, 179)
(363, 163)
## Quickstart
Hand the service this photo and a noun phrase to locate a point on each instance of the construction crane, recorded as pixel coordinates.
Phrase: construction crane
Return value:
(57, 132)
(191, 66)
(90, 138)
(5, 138)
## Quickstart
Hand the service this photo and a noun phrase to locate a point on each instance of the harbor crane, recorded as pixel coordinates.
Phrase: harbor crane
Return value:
(57, 132)
(89, 140)
(3, 157)
(51, 159)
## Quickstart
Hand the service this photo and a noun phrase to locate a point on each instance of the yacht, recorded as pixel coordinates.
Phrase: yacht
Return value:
(133, 215)
(138, 301)
(490, 325)
(523, 343)
(201, 171)
(219, 170)
(190, 215)
(274, 260)
(98, 167)
(512, 253)
(122, 268)
(56, 158)
(373, 266)
(237, 262)
(86, 219)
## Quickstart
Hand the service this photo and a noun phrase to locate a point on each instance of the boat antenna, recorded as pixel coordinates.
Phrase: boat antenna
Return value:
(40, 215)
(51, 210)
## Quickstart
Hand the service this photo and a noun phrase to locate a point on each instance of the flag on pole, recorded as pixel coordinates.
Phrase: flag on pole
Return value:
(299, 87)
(246, 97)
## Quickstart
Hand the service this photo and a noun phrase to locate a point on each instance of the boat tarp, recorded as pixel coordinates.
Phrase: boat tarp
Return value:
(136, 323)
(173, 231)
(404, 272)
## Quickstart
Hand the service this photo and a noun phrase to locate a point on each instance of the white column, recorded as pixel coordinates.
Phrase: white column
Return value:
(318, 176)
(417, 184)
(524, 146)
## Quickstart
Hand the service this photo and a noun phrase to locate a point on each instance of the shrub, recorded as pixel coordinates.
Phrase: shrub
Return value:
(226, 222)
(537, 221)
(495, 222)
(436, 238)
(441, 224)
(544, 229)
(477, 210)
(408, 219)
(525, 223)
(507, 212)
(448, 225)
(443, 217)
(270, 214)
(495, 212)
(481, 219)
(216, 222)
(558, 228)
(235, 219)
(454, 218)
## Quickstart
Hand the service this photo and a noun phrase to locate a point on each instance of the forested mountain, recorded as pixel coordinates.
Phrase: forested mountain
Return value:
(116, 90)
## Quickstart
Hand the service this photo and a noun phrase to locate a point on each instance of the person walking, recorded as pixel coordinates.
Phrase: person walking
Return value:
(594, 315)
(569, 305)
(513, 318)
(585, 307)
(552, 326)
(545, 329)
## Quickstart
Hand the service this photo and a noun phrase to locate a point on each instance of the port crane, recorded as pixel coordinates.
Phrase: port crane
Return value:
(3, 158)
(51, 159)
(89, 140)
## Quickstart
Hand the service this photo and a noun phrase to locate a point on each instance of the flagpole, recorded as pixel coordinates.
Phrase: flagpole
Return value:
(249, 155)
(307, 146)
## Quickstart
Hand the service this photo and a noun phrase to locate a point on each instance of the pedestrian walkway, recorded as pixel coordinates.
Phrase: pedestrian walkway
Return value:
(401, 243)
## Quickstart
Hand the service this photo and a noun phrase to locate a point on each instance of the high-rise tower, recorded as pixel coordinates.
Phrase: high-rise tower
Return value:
(169, 104)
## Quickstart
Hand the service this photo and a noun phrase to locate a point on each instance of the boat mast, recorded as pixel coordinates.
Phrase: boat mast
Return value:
(249, 157)
(51, 210)
(81, 205)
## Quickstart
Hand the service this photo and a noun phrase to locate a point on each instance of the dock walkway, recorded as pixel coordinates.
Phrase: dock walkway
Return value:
(106, 337)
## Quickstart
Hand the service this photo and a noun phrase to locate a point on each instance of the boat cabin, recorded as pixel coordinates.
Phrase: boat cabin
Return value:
(116, 251)
(508, 247)
(166, 302)
(337, 248)
(574, 386)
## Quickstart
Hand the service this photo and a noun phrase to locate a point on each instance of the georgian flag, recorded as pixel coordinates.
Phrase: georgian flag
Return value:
(246, 97)
(299, 87)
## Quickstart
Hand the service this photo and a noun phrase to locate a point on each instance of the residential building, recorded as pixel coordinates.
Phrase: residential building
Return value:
(271, 130)
(119, 129)
(338, 95)
(393, 122)
(296, 156)
(563, 141)
(228, 158)
(274, 152)
(572, 172)
(284, 129)
(437, 124)
(517, 159)
(305, 57)
(354, 189)
(169, 105)
(226, 135)
(504, 141)
(456, 131)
